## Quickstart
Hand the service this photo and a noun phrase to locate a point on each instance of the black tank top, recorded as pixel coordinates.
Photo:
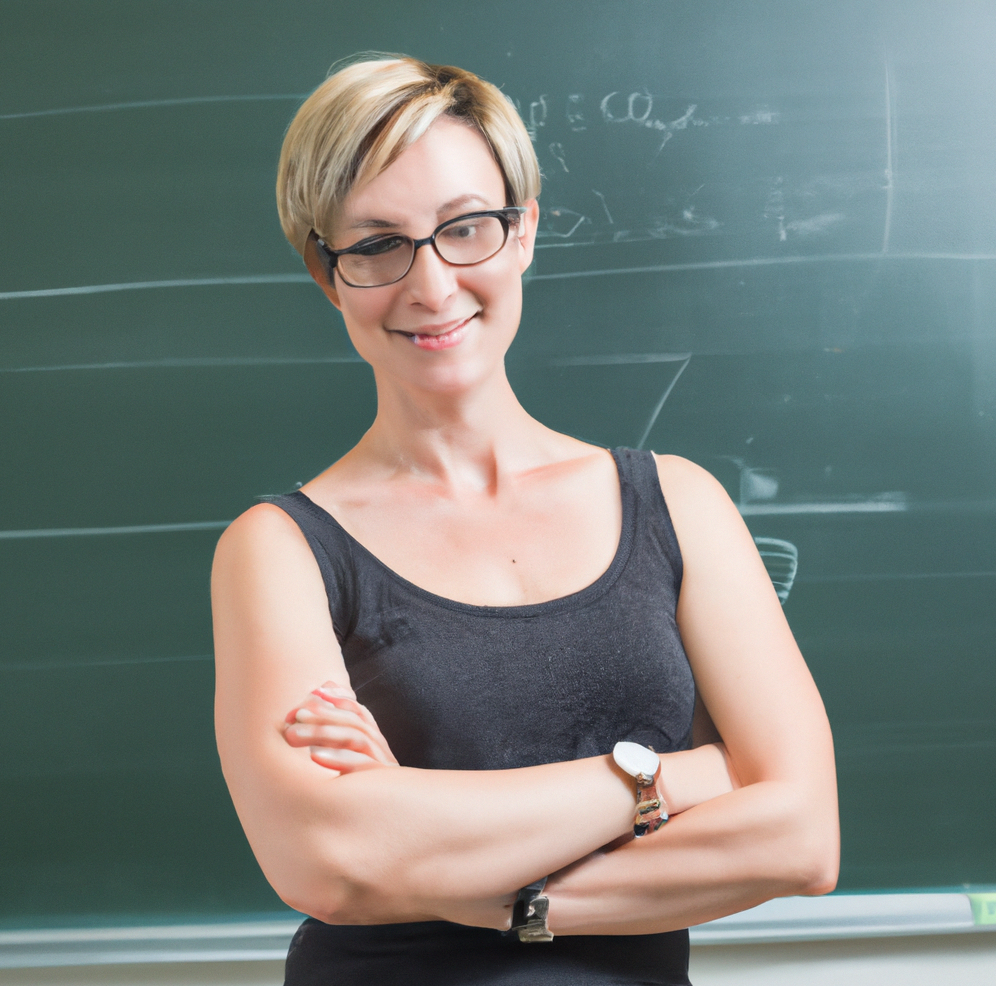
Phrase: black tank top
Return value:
(462, 687)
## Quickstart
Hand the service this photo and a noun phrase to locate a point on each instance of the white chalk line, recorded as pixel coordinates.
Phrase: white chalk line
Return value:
(651, 421)
(186, 282)
(148, 104)
(619, 359)
(188, 362)
(767, 262)
(105, 662)
(888, 158)
(896, 576)
(847, 507)
(62, 532)
(234, 929)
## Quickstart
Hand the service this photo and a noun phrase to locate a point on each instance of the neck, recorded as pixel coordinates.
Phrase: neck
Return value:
(467, 439)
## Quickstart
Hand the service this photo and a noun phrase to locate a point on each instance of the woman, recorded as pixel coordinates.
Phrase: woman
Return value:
(504, 602)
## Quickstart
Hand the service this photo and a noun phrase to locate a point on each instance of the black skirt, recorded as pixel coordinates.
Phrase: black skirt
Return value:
(437, 953)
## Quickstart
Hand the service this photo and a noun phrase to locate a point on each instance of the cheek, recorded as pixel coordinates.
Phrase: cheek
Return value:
(501, 290)
(365, 311)
(508, 299)
(363, 332)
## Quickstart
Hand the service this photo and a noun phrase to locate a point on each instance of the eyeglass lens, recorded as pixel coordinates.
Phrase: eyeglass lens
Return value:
(388, 258)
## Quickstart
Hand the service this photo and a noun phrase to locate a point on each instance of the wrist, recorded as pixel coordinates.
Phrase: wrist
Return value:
(666, 783)
(690, 777)
(625, 796)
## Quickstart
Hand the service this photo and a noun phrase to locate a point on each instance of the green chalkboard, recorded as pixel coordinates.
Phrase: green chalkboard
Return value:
(768, 243)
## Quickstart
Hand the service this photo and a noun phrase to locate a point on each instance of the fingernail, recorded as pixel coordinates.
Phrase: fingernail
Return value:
(335, 692)
(320, 754)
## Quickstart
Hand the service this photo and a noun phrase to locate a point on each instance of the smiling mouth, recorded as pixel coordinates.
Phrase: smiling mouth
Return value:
(439, 340)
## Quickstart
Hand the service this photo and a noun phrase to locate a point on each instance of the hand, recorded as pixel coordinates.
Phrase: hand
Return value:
(494, 912)
(341, 734)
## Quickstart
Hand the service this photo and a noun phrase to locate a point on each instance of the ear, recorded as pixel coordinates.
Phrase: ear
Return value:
(528, 225)
(318, 272)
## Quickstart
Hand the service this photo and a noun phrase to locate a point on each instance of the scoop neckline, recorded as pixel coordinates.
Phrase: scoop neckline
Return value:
(572, 600)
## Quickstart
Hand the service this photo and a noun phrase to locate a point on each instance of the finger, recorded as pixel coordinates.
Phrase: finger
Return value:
(331, 738)
(349, 713)
(337, 738)
(348, 737)
(301, 734)
(323, 705)
(328, 713)
(334, 688)
(343, 761)
(343, 712)
(344, 701)
(345, 705)
(333, 716)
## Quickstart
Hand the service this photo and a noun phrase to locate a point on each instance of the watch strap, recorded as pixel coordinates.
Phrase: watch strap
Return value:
(529, 913)
(651, 808)
(644, 766)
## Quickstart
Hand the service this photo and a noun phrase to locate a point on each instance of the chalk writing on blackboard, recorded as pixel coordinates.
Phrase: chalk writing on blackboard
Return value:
(632, 165)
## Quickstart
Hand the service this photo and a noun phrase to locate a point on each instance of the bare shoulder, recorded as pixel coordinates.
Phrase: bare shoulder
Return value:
(701, 510)
(681, 477)
(264, 564)
(270, 609)
(724, 581)
(263, 554)
(255, 535)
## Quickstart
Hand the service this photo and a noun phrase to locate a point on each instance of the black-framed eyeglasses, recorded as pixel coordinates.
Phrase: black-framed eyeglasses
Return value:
(387, 258)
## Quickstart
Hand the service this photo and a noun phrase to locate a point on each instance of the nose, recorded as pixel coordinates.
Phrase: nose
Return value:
(431, 281)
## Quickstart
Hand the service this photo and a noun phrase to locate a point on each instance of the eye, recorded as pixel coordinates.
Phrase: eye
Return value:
(466, 229)
(378, 246)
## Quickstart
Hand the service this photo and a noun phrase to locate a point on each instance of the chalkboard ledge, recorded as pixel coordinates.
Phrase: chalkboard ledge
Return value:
(783, 920)
(852, 916)
(209, 941)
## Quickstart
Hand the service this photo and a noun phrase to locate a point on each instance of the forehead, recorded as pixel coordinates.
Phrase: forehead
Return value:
(450, 166)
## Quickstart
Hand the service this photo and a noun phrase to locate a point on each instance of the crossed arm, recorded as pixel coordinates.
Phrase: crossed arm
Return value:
(345, 835)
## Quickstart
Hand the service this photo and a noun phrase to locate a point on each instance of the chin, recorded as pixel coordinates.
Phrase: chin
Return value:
(452, 383)
(457, 377)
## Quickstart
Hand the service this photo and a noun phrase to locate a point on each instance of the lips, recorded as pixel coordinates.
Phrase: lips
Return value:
(440, 337)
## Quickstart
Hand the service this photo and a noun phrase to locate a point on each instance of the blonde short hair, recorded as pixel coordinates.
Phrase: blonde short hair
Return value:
(362, 117)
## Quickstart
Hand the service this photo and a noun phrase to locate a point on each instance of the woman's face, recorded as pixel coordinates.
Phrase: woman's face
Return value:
(440, 327)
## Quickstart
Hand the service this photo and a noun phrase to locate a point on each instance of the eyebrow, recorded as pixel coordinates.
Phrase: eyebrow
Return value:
(460, 201)
(447, 207)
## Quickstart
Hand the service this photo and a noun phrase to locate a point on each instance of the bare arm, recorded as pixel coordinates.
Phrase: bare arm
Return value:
(333, 852)
(776, 835)
(371, 846)
(341, 734)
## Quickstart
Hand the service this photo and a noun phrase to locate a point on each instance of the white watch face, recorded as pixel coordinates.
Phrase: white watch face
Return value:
(635, 759)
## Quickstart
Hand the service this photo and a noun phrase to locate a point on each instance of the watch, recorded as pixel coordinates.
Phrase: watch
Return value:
(641, 763)
(530, 912)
